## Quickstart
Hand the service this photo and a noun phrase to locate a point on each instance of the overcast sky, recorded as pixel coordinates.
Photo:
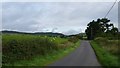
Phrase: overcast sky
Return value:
(62, 17)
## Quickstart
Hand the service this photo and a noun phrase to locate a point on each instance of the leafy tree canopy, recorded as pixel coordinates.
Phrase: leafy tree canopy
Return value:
(101, 27)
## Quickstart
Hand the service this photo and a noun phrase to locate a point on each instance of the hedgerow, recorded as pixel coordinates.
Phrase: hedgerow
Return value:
(22, 47)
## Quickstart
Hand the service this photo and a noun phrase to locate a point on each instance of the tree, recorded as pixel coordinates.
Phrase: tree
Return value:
(114, 30)
(93, 29)
(101, 27)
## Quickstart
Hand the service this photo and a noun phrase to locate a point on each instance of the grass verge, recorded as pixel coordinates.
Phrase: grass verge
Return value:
(106, 59)
(46, 59)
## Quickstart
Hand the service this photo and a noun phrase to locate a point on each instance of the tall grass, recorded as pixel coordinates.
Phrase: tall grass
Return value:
(21, 47)
(47, 59)
(109, 45)
(0, 50)
(106, 51)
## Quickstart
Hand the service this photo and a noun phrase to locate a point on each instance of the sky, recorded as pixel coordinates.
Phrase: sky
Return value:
(62, 17)
(58, 0)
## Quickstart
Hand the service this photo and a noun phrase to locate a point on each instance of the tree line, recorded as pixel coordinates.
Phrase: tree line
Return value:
(101, 28)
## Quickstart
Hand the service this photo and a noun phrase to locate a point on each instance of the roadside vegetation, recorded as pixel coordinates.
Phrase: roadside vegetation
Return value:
(105, 41)
(0, 50)
(107, 51)
(34, 50)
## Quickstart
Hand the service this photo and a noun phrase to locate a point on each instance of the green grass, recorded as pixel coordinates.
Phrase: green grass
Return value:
(48, 58)
(0, 50)
(21, 47)
(0, 59)
(104, 56)
(34, 50)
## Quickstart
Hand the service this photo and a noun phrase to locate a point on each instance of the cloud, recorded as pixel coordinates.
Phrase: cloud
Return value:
(65, 17)
(58, 0)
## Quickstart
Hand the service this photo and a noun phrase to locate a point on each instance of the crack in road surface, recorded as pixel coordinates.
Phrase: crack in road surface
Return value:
(84, 55)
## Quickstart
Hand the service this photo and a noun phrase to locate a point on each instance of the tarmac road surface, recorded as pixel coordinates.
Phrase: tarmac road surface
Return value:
(84, 55)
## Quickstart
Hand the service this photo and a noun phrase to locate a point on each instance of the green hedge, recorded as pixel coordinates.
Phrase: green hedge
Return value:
(20, 47)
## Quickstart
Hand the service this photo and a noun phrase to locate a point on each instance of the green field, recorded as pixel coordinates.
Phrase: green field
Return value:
(0, 50)
(107, 51)
(34, 50)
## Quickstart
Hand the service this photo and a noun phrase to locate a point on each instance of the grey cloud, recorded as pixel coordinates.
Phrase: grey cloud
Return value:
(72, 31)
(67, 17)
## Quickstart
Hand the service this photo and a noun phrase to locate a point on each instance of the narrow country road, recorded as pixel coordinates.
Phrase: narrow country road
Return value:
(82, 56)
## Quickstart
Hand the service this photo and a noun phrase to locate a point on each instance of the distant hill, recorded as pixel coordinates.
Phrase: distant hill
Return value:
(36, 33)
(11, 32)
(42, 33)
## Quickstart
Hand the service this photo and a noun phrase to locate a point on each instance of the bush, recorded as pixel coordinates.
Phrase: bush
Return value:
(101, 39)
(20, 47)
(73, 39)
